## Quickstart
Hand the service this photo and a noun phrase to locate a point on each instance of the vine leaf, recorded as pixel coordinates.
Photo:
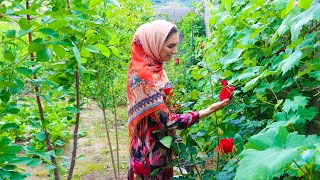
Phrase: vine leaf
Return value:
(258, 159)
(231, 57)
(291, 61)
(294, 105)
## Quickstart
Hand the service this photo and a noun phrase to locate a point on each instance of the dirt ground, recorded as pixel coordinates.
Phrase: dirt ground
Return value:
(95, 162)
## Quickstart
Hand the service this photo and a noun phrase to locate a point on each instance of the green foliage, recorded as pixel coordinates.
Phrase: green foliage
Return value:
(288, 148)
(93, 37)
(269, 50)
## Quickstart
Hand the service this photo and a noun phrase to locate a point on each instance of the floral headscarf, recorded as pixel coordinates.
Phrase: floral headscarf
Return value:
(146, 76)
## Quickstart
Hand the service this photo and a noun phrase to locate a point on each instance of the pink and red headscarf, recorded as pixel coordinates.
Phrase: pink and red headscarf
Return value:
(146, 76)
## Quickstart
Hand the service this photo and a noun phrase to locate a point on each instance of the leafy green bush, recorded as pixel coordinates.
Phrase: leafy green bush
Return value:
(269, 50)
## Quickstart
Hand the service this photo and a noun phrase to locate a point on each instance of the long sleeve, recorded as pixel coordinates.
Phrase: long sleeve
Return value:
(175, 121)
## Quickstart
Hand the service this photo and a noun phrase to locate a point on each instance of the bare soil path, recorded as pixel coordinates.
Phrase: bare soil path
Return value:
(95, 162)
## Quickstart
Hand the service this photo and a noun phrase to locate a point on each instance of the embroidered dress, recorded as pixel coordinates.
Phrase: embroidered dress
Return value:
(147, 153)
(148, 117)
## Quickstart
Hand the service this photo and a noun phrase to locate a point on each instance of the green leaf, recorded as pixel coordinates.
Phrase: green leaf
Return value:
(305, 4)
(60, 52)
(227, 74)
(227, 4)
(4, 142)
(59, 143)
(35, 69)
(36, 45)
(249, 85)
(291, 61)
(4, 174)
(18, 176)
(50, 167)
(231, 57)
(9, 55)
(13, 110)
(21, 160)
(4, 96)
(12, 149)
(24, 24)
(9, 84)
(73, 110)
(92, 48)
(262, 140)
(93, 3)
(294, 105)
(50, 32)
(11, 33)
(41, 81)
(34, 163)
(76, 54)
(103, 50)
(308, 155)
(303, 18)
(114, 2)
(166, 141)
(155, 172)
(196, 74)
(41, 136)
(307, 114)
(261, 165)
(315, 74)
(44, 54)
(10, 126)
(281, 4)
(259, 162)
(24, 70)
(115, 51)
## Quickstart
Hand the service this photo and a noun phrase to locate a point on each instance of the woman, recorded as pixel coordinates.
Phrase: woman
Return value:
(154, 43)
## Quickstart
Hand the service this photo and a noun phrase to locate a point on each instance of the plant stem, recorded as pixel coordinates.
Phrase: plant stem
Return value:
(108, 137)
(271, 88)
(299, 167)
(116, 124)
(76, 128)
(103, 108)
(36, 88)
(215, 114)
(195, 167)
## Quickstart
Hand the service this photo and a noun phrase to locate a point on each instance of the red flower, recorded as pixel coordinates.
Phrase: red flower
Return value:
(225, 145)
(226, 91)
(168, 92)
(177, 61)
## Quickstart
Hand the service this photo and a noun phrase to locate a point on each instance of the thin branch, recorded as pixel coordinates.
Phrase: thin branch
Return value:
(116, 125)
(299, 167)
(36, 88)
(76, 128)
(105, 120)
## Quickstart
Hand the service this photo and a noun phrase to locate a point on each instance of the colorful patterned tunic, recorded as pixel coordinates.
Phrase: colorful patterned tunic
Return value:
(147, 152)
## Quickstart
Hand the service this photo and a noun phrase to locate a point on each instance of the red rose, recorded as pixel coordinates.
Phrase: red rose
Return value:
(225, 145)
(226, 91)
(177, 61)
(168, 92)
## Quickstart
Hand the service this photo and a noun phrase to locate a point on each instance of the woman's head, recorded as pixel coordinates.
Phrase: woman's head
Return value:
(159, 39)
(170, 45)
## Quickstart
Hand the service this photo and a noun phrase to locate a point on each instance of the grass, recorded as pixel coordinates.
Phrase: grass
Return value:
(89, 168)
